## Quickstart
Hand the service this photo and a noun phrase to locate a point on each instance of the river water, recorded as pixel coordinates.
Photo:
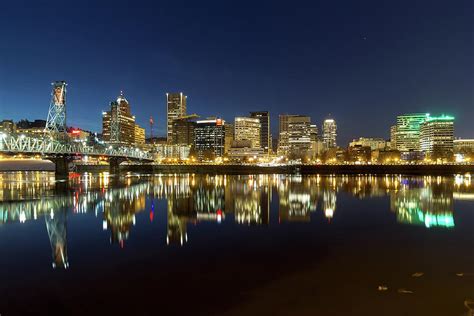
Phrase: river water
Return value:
(236, 245)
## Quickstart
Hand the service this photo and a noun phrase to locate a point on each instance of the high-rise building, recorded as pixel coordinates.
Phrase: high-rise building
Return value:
(183, 130)
(437, 136)
(139, 135)
(175, 108)
(283, 145)
(299, 134)
(229, 137)
(265, 134)
(118, 124)
(295, 134)
(393, 137)
(209, 138)
(329, 133)
(408, 131)
(247, 128)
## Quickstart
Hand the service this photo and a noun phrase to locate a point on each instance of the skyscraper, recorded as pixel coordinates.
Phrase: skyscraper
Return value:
(175, 108)
(295, 134)
(247, 128)
(265, 139)
(393, 137)
(329, 133)
(118, 124)
(209, 138)
(408, 131)
(437, 136)
(183, 130)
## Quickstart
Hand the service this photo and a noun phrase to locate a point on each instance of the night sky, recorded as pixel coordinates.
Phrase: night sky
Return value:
(362, 61)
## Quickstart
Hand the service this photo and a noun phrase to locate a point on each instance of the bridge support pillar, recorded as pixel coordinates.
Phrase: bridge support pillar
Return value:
(114, 164)
(61, 167)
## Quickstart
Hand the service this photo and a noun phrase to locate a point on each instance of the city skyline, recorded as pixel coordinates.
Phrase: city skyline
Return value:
(163, 131)
(350, 65)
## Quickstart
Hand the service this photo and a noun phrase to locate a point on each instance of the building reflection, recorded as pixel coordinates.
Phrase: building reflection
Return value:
(56, 226)
(193, 199)
(424, 203)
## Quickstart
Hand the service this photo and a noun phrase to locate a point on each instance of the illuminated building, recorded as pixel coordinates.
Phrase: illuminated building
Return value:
(242, 150)
(408, 131)
(139, 135)
(77, 134)
(229, 137)
(437, 136)
(118, 124)
(329, 133)
(167, 151)
(209, 138)
(373, 143)
(175, 108)
(283, 145)
(295, 135)
(463, 145)
(247, 128)
(183, 130)
(35, 128)
(7, 126)
(393, 137)
(265, 134)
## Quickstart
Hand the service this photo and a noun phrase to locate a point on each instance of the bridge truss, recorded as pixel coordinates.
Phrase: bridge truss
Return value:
(22, 144)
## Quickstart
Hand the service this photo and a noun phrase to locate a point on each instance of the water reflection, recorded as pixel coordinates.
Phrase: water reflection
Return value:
(192, 199)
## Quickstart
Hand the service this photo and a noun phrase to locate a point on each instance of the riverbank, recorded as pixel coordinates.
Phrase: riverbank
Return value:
(7, 165)
(289, 169)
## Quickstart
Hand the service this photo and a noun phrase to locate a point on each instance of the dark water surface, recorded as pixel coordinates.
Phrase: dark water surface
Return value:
(236, 245)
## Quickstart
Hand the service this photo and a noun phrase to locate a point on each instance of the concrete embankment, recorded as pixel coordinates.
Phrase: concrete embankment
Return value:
(25, 165)
(293, 169)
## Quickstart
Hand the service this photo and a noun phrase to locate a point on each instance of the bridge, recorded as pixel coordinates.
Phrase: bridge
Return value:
(55, 144)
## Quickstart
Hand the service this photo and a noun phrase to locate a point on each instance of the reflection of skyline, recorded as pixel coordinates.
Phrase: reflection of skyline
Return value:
(427, 201)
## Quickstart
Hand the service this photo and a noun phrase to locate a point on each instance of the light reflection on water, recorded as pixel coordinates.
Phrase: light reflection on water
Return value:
(191, 199)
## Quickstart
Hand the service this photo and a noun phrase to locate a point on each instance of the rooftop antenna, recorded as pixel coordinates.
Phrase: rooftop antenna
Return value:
(151, 127)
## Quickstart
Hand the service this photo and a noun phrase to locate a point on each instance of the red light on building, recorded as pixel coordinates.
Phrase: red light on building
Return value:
(219, 122)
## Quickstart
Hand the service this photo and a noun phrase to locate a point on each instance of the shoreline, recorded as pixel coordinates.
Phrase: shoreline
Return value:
(289, 169)
(39, 165)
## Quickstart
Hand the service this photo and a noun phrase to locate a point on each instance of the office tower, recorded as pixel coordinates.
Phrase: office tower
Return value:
(299, 134)
(183, 130)
(437, 136)
(247, 128)
(175, 108)
(329, 133)
(295, 133)
(209, 138)
(408, 131)
(393, 137)
(283, 145)
(118, 124)
(139, 135)
(265, 134)
(229, 137)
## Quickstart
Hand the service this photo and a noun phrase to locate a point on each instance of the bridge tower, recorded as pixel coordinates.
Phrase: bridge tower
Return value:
(56, 121)
(56, 224)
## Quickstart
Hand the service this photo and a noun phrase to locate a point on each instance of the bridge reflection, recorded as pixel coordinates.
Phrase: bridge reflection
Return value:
(191, 199)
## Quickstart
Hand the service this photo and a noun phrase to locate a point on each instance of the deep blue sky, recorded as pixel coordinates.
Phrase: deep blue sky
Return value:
(362, 61)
